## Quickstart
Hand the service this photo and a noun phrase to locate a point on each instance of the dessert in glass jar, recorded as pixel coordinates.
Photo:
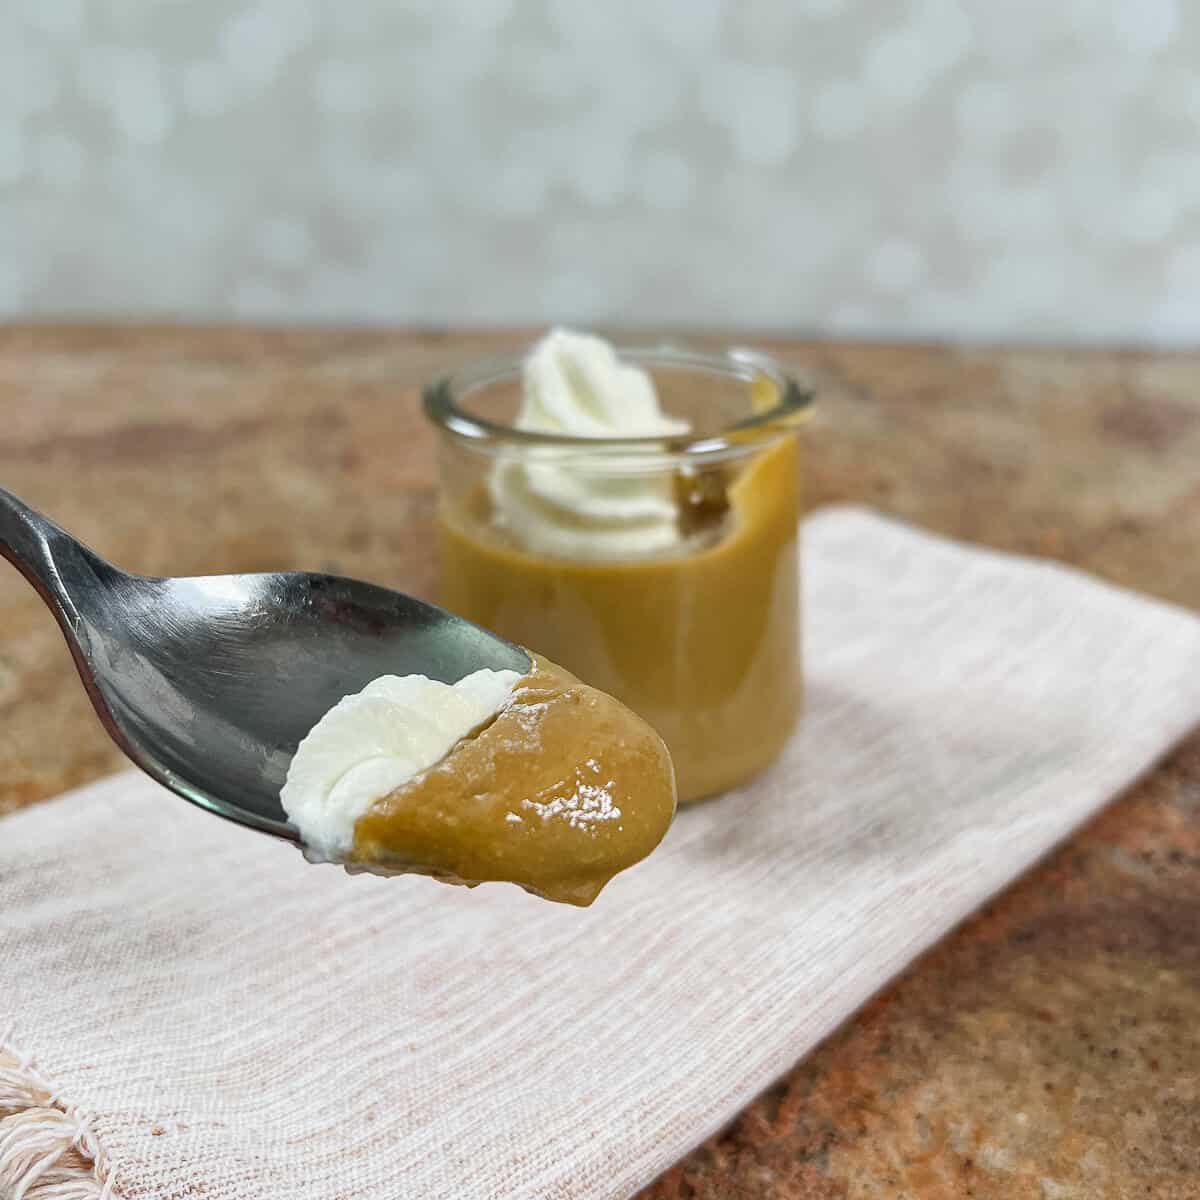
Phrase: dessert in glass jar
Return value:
(633, 514)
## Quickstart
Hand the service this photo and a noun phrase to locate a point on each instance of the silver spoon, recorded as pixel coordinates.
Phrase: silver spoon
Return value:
(209, 683)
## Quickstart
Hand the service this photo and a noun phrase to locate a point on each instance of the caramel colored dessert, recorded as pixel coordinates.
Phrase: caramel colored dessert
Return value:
(563, 789)
(701, 643)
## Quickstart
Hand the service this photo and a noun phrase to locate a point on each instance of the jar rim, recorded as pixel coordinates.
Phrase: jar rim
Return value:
(441, 402)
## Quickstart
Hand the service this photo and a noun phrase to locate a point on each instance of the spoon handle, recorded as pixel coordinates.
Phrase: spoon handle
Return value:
(41, 551)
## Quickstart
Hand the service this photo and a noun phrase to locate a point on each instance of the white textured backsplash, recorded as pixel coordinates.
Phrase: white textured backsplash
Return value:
(975, 168)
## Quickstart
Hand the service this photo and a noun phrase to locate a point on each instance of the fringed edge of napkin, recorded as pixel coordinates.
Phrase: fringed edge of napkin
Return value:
(47, 1150)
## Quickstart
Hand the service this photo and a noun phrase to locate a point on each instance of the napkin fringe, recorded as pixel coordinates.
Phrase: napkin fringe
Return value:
(47, 1151)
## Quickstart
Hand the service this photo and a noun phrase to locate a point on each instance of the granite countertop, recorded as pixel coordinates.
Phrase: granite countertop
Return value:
(1051, 1046)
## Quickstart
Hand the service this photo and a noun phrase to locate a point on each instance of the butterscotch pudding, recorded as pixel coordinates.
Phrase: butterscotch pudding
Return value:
(634, 515)
(532, 779)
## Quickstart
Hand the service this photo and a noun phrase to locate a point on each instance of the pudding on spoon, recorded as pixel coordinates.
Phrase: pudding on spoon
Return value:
(534, 779)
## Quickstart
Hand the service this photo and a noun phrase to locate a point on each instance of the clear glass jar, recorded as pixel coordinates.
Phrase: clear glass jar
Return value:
(690, 618)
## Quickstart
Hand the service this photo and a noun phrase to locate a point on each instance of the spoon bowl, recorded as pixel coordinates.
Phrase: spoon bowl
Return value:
(209, 683)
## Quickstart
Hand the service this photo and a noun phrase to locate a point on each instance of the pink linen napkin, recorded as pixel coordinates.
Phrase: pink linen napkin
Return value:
(189, 1010)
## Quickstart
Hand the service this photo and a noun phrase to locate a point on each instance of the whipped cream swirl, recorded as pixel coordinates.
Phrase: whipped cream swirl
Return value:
(594, 505)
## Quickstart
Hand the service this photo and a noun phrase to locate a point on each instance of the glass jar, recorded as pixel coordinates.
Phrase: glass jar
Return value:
(693, 622)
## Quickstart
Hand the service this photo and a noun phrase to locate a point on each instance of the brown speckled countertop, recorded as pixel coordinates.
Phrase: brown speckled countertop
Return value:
(1051, 1047)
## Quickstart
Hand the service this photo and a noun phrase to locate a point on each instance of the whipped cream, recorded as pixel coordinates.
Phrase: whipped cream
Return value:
(593, 506)
(370, 743)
